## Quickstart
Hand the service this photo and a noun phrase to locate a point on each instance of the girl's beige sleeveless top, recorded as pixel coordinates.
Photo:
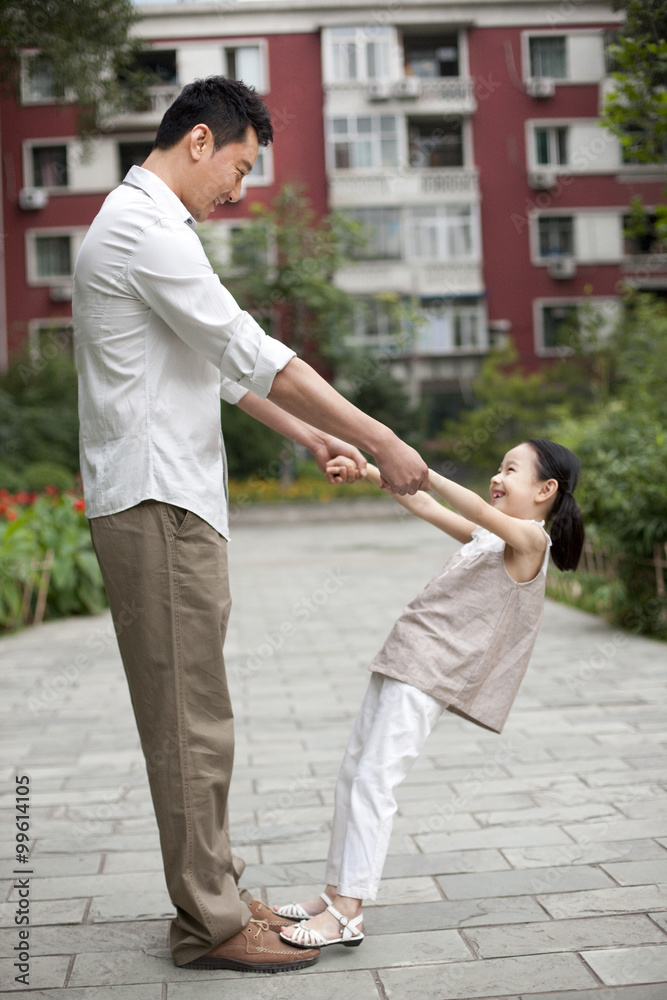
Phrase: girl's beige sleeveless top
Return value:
(466, 639)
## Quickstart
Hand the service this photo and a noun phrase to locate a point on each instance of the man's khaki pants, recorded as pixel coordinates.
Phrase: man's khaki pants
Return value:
(165, 573)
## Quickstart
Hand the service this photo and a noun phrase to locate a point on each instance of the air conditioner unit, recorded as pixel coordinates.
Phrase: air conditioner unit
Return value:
(378, 90)
(60, 293)
(409, 86)
(562, 267)
(33, 198)
(541, 180)
(540, 86)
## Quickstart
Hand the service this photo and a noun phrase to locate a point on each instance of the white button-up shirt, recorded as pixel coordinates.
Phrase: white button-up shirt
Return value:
(158, 341)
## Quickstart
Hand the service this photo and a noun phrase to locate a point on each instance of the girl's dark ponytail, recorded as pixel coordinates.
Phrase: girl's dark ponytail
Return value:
(566, 523)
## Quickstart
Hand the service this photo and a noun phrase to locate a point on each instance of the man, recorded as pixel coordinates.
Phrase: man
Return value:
(158, 341)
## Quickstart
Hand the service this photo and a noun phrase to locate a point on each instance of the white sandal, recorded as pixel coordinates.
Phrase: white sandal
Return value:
(305, 937)
(295, 911)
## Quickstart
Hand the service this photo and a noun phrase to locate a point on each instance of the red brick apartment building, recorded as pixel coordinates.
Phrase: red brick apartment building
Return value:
(464, 135)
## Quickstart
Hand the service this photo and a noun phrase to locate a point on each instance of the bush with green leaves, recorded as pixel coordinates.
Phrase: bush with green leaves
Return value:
(29, 529)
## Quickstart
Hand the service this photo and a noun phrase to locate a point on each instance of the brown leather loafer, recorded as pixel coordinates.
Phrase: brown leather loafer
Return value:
(255, 949)
(260, 911)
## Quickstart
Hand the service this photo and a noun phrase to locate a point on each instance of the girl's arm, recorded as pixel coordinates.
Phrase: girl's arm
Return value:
(425, 506)
(520, 535)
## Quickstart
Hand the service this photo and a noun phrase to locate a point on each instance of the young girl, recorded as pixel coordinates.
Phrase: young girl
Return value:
(462, 644)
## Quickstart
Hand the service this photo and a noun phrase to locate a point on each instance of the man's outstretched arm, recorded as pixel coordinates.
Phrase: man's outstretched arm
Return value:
(299, 390)
(323, 446)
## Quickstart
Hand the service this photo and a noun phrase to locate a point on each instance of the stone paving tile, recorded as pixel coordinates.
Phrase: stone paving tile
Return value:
(622, 966)
(457, 913)
(497, 837)
(144, 935)
(57, 911)
(42, 972)
(527, 974)
(601, 993)
(587, 854)
(391, 892)
(563, 935)
(628, 899)
(151, 991)
(522, 883)
(638, 872)
(306, 985)
(94, 885)
(127, 906)
(616, 829)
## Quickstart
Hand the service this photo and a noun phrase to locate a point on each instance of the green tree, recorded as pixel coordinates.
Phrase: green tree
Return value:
(85, 46)
(282, 269)
(636, 109)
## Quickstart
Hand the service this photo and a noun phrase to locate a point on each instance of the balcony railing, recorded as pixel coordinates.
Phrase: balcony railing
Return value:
(455, 95)
(158, 99)
(428, 279)
(403, 186)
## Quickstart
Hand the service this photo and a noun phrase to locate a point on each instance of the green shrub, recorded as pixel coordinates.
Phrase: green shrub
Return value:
(29, 529)
(38, 475)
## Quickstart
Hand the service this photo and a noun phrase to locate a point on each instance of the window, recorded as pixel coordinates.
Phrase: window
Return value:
(560, 326)
(132, 154)
(551, 146)
(359, 53)
(159, 65)
(556, 235)
(364, 142)
(53, 257)
(49, 166)
(440, 232)
(449, 327)
(49, 338)
(378, 324)
(431, 56)
(435, 142)
(641, 236)
(381, 233)
(547, 56)
(39, 81)
(244, 62)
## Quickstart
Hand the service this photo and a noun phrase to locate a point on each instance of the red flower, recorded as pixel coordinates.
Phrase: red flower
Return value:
(11, 514)
(79, 504)
(51, 491)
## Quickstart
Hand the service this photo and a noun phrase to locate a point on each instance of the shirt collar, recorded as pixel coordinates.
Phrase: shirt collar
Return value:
(160, 193)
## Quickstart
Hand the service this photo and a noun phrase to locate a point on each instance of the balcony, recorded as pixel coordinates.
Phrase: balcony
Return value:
(159, 98)
(437, 95)
(403, 186)
(424, 279)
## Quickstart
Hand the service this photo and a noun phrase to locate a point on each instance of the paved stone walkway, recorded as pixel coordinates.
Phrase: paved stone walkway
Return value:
(533, 864)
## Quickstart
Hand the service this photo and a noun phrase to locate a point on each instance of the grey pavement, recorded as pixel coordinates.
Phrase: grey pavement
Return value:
(532, 864)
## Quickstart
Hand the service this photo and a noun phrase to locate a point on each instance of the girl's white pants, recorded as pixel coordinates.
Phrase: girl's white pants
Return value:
(388, 735)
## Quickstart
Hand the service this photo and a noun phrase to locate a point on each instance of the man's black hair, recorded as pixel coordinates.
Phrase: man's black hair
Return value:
(228, 107)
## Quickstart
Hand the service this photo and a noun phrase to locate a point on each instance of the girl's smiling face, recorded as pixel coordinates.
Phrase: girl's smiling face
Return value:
(515, 487)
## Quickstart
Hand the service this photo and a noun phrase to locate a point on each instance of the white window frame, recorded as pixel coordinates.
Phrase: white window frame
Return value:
(605, 303)
(359, 36)
(26, 99)
(264, 87)
(445, 222)
(250, 181)
(34, 280)
(451, 308)
(374, 137)
(50, 324)
(28, 174)
(536, 256)
(566, 33)
(572, 167)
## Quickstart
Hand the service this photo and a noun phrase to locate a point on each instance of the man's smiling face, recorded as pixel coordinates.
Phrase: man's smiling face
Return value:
(219, 173)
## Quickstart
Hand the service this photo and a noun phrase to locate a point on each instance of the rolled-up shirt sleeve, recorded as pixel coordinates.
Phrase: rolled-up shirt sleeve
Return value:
(231, 392)
(171, 273)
